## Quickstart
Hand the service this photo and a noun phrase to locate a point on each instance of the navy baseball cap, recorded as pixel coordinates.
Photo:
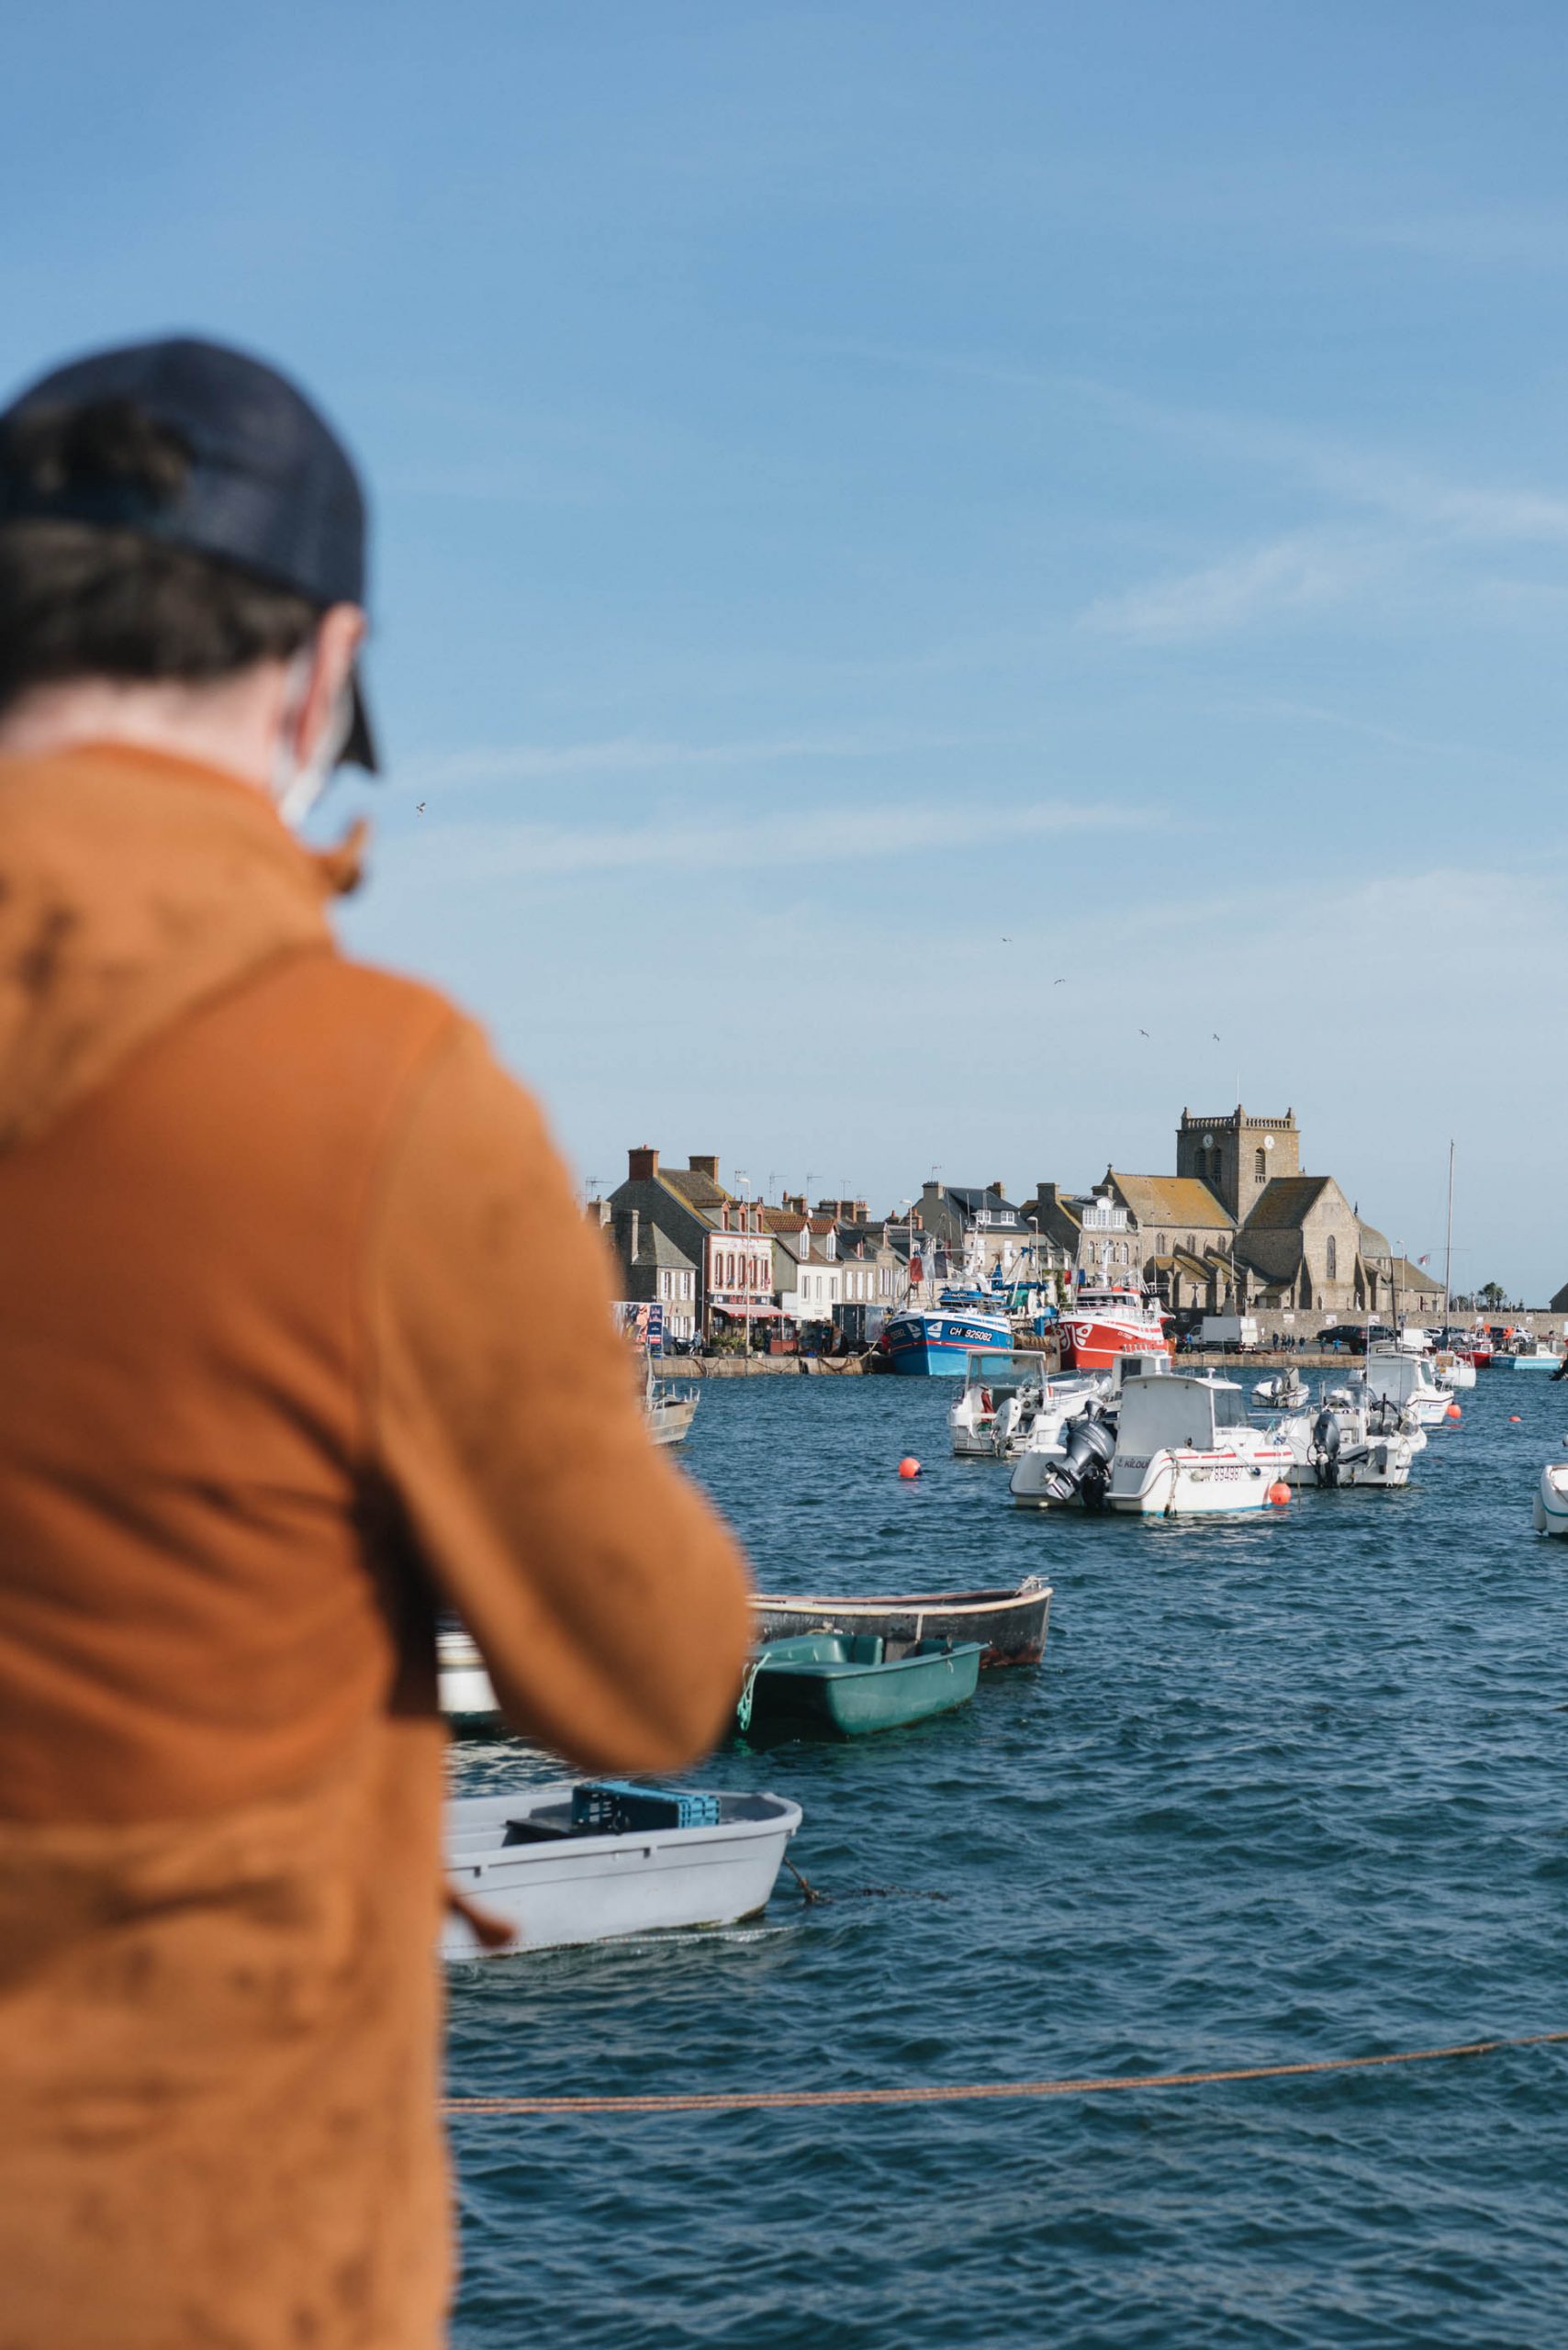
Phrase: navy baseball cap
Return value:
(270, 488)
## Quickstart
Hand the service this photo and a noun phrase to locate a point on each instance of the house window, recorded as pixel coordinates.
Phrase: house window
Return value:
(1259, 1164)
(1331, 1264)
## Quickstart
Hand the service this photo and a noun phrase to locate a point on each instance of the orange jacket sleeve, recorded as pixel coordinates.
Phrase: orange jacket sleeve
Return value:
(609, 1600)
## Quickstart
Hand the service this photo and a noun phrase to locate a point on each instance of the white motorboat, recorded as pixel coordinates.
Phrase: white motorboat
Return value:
(1531, 1355)
(1551, 1496)
(1405, 1379)
(1000, 1391)
(1453, 1370)
(1288, 1392)
(562, 1864)
(1182, 1446)
(1009, 1400)
(1353, 1440)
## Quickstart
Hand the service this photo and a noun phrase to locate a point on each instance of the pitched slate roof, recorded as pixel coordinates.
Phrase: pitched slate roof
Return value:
(972, 1202)
(1171, 1199)
(699, 1192)
(1374, 1246)
(1284, 1205)
(654, 1246)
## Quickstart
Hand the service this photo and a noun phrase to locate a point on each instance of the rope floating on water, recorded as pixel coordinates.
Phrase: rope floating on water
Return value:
(768, 2100)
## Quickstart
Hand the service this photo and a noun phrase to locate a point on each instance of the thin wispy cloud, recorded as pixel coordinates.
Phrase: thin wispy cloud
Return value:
(630, 755)
(1303, 571)
(801, 837)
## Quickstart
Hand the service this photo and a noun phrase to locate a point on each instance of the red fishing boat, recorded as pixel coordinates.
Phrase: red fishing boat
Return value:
(1098, 1325)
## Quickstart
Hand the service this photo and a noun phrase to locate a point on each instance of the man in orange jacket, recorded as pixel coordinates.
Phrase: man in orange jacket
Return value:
(302, 1338)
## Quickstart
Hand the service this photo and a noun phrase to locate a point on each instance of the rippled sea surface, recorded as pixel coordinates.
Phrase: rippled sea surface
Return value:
(1286, 1787)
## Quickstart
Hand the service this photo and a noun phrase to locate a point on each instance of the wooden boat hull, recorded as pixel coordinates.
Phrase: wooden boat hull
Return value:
(569, 1889)
(790, 1693)
(1011, 1625)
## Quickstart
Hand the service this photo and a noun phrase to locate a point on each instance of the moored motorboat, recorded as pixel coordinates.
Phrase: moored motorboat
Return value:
(1182, 1446)
(1288, 1392)
(562, 1864)
(1010, 1625)
(1551, 1496)
(1006, 1401)
(1405, 1380)
(990, 1416)
(1353, 1440)
(1533, 1355)
(844, 1684)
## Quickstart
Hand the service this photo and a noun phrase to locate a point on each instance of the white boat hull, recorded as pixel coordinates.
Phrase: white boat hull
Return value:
(1195, 1484)
(1551, 1499)
(596, 1888)
(1365, 1456)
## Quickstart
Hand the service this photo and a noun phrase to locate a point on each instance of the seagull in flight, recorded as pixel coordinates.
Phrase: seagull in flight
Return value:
(1143, 1032)
(1058, 983)
(420, 808)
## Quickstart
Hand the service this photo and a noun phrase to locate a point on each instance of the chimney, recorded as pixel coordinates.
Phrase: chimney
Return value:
(642, 1165)
(795, 1202)
(999, 1187)
(709, 1167)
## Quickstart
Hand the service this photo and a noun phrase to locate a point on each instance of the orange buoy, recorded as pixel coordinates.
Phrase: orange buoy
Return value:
(909, 1466)
(1279, 1493)
(1513, 1419)
(1453, 1413)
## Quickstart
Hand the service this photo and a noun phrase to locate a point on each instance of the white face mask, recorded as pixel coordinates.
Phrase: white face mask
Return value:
(296, 785)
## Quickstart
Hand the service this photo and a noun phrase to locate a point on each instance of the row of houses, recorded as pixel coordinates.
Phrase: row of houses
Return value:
(1238, 1225)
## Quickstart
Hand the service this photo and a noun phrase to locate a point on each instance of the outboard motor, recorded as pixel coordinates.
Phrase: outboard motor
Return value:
(1090, 1443)
(1326, 1448)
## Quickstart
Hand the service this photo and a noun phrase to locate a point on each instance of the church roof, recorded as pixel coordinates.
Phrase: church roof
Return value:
(1171, 1199)
(1283, 1204)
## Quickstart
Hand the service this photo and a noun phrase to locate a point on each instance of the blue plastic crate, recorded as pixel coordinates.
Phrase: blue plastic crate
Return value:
(621, 1806)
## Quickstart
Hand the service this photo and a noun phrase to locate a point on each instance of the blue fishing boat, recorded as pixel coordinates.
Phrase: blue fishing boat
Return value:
(934, 1342)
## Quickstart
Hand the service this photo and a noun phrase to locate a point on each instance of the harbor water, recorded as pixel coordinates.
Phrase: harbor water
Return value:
(1286, 1787)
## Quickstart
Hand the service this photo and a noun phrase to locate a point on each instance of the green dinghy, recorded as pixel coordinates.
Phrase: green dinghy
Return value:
(841, 1684)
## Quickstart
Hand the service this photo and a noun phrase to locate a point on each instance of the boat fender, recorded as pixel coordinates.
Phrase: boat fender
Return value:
(1279, 1493)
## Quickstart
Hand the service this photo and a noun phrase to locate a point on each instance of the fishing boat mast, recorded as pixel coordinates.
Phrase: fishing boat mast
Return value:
(1448, 1251)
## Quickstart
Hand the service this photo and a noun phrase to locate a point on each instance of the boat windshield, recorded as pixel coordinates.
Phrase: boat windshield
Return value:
(986, 1371)
(1230, 1409)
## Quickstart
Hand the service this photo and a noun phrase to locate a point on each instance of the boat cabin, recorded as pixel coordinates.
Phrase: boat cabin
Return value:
(994, 1375)
(1180, 1411)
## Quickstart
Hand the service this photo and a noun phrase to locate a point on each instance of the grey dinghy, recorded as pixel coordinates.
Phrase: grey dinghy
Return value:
(564, 1865)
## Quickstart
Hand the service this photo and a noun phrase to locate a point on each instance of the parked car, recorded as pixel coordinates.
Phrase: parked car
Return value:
(1347, 1337)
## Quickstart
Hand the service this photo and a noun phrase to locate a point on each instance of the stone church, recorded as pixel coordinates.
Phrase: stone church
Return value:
(1297, 1240)
(1239, 1225)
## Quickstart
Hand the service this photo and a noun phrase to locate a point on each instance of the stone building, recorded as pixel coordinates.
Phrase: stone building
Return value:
(1238, 1155)
(651, 1267)
(724, 1238)
(1237, 1225)
(981, 1229)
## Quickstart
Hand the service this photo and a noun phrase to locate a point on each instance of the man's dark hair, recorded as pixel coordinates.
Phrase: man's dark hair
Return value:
(86, 599)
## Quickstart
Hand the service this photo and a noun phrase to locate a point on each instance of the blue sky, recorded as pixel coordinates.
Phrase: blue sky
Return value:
(891, 505)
